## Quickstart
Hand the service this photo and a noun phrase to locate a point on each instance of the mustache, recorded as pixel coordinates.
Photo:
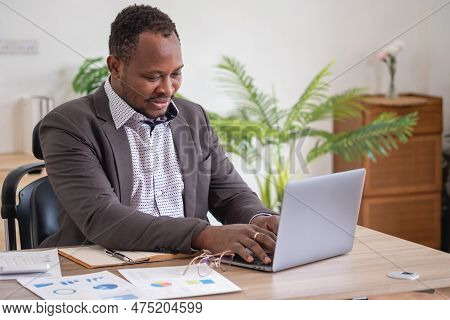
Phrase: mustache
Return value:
(148, 99)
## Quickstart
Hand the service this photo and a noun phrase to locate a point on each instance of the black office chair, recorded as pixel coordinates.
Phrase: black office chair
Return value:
(37, 210)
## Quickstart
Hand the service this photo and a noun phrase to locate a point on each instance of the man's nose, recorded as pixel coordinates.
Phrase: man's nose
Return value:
(166, 87)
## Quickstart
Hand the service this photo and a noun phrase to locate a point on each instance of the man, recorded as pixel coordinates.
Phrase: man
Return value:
(134, 168)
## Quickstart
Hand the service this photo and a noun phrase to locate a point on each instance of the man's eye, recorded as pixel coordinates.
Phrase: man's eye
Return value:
(152, 78)
(176, 74)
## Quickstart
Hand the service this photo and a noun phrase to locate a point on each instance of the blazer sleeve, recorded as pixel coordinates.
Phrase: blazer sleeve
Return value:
(87, 196)
(230, 199)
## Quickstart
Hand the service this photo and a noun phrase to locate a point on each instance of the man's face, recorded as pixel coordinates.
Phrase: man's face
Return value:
(152, 76)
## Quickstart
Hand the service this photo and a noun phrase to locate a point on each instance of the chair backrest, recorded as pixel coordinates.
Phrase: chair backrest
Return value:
(36, 142)
(37, 213)
(37, 210)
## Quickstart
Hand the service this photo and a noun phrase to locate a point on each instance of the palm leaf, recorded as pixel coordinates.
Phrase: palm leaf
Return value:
(265, 188)
(314, 93)
(238, 135)
(340, 106)
(376, 138)
(252, 103)
(90, 76)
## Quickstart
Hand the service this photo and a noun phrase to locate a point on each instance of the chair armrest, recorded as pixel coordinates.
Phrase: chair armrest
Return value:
(9, 189)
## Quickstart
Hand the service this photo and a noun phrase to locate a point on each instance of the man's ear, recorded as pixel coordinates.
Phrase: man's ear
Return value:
(114, 66)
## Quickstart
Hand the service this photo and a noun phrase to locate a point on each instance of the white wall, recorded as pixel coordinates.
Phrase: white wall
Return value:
(282, 43)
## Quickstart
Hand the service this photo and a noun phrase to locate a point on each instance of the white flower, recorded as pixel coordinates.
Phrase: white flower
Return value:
(394, 48)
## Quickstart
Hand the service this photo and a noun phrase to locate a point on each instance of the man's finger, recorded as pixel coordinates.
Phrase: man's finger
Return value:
(273, 224)
(264, 231)
(267, 242)
(241, 251)
(257, 250)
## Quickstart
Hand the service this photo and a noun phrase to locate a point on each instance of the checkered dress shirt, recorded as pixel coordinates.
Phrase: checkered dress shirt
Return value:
(157, 181)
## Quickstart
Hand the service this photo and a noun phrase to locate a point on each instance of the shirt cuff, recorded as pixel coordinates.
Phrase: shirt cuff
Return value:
(259, 214)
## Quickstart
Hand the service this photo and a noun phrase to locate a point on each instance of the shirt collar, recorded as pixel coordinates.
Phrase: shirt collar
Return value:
(122, 112)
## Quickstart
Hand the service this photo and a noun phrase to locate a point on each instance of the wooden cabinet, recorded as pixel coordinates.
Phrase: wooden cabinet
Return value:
(402, 193)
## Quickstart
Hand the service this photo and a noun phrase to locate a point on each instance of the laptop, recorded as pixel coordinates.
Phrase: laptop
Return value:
(318, 220)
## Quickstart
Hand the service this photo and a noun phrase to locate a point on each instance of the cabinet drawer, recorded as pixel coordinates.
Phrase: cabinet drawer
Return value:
(413, 217)
(414, 167)
(430, 116)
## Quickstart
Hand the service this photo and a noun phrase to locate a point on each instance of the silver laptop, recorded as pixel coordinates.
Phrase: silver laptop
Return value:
(318, 220)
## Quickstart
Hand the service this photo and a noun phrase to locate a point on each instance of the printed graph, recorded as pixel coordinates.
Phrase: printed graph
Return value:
(64, 291)
(161, 284)
(42, 285)
(202, 281)
(69, 282)
(93, 279)
(109, 286)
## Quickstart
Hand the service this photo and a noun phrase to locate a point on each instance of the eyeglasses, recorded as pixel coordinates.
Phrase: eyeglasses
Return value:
(206, 262)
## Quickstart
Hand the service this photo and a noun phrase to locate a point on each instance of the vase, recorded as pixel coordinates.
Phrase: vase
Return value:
(392, 93)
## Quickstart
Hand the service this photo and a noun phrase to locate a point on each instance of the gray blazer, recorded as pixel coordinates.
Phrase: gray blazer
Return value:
(89, 165)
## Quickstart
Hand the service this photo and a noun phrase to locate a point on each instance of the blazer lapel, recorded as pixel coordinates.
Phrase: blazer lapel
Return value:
(122, 156)
(187, 156)
(119, 144)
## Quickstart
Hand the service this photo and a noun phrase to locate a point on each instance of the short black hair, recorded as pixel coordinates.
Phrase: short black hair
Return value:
(131, 22)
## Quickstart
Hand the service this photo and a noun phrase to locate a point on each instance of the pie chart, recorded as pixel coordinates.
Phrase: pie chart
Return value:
(160, 284)
(105, 286)
(64, 291)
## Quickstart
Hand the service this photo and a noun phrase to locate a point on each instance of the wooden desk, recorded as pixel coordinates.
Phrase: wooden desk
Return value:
(359, 273)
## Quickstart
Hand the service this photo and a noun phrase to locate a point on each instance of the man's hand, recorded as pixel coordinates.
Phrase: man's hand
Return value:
(237, 238)
(267, 222)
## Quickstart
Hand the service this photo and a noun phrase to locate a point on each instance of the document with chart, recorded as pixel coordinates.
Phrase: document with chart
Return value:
(170, 283)
(100, 286)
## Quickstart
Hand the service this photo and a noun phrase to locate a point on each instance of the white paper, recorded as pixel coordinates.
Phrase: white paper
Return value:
(169, 283)
(100, 286)
(31, 258)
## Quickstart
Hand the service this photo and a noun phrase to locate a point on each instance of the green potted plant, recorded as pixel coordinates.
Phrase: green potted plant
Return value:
(261, 132)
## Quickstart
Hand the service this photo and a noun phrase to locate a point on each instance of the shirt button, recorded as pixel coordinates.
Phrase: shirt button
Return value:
(158, 193)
